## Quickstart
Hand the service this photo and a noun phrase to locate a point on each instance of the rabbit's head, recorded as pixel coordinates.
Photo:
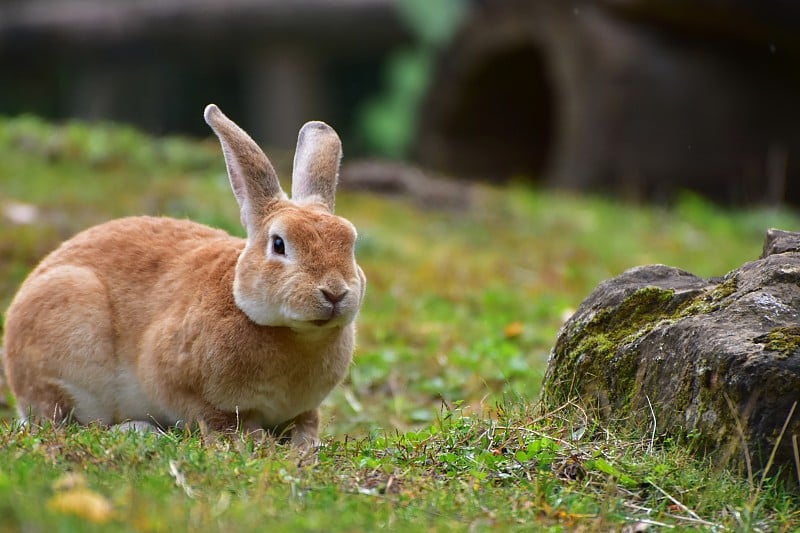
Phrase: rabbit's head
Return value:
(298, 266)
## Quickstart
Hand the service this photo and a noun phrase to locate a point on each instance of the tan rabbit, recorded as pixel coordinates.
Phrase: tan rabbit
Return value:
(147, 320)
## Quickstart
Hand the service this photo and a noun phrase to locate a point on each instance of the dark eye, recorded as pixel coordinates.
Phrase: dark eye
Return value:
(277, 246)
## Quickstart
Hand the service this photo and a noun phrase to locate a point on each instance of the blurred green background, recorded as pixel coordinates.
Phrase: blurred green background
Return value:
(525, 151)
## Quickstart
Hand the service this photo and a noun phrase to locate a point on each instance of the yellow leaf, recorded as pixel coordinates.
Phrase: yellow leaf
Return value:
(84, 503)
(514, 329)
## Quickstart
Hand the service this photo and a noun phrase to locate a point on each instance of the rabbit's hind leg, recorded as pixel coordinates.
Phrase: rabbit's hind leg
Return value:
(59, 352)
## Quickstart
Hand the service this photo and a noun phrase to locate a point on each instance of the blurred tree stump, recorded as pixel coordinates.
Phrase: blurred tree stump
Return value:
(641, 98)
(400, 180)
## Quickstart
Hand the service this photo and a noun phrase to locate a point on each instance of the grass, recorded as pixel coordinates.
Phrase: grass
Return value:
(437, 426)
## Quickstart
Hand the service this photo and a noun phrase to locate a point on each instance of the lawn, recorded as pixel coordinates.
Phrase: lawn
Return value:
(437, 426)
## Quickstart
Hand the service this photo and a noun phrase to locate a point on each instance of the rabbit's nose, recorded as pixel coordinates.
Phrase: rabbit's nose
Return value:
(334, 297)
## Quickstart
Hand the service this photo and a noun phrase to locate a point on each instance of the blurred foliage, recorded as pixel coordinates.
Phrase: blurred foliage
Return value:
(462, 306)
(388, 120)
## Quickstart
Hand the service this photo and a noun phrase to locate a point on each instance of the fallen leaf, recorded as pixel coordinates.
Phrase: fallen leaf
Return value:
(84, 503)
(514, 329)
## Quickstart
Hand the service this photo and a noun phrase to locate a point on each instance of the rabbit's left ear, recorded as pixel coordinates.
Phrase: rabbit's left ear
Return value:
(316, 163)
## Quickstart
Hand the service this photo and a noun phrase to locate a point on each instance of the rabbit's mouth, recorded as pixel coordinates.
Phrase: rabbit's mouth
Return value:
(331, 315)
(336, 317)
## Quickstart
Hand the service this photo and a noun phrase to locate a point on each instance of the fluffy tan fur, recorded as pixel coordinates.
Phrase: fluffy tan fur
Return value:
(167, 321)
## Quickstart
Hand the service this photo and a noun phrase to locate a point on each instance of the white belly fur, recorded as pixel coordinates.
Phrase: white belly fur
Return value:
(119, 398)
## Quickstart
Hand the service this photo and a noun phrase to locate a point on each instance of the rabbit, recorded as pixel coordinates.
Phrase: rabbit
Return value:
(154, 322)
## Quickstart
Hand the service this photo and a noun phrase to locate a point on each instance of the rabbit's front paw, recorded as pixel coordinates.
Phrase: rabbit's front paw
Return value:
(306, 429)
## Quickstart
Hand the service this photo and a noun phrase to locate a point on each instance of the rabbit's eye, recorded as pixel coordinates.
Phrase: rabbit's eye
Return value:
(277, 246)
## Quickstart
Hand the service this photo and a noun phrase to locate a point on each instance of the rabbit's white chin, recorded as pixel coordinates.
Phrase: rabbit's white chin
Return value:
(265, 313)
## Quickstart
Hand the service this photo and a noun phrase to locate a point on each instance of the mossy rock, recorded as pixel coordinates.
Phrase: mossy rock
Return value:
(714, 361)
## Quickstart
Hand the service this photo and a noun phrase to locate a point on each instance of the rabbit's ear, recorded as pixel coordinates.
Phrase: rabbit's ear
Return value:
(316, 163)
(253, 179)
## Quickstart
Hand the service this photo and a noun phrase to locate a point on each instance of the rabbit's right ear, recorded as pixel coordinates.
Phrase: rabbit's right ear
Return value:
(253, 179)
(316, 163)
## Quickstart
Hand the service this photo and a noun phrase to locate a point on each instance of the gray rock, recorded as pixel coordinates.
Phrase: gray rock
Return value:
(779, 242)
(717, 360)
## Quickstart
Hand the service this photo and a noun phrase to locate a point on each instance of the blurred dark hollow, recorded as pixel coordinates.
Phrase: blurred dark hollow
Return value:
(641, 98)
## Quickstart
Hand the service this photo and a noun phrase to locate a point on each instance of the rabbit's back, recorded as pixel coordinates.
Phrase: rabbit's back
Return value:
(76, 331)
(134, 250)
(144, 265)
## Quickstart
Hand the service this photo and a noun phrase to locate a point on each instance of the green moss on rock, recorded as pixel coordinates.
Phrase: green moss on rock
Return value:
(784, 341)
(634, 316)
(709, 301)
(596, 353)
(592, 346)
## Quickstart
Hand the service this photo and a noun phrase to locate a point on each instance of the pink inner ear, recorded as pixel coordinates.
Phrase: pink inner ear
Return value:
(235, 177)
(237, 181)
